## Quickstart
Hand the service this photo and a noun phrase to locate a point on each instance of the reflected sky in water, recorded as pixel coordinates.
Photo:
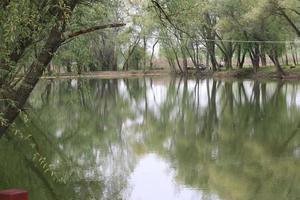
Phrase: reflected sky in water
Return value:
(154, 179)
(156, 138)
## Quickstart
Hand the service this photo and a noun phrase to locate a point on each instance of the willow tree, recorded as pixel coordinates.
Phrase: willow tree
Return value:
(288, 10)
(32, 32)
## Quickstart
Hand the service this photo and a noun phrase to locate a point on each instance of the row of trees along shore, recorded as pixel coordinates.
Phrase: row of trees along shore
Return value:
(37, 33)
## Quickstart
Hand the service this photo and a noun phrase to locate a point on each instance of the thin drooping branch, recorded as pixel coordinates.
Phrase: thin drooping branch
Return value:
(289, 20)
(163, 13)
(91, 29)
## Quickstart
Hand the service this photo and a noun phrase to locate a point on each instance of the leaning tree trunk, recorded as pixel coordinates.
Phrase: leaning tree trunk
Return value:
(20, 95)
(274, 57)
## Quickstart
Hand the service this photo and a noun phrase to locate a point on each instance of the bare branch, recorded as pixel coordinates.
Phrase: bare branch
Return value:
(91, 29)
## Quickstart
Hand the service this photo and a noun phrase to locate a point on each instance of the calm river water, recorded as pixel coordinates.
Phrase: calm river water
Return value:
(156, 139)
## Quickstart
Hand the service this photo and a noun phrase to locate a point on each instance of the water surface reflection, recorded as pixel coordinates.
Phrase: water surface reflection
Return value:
(158, 138)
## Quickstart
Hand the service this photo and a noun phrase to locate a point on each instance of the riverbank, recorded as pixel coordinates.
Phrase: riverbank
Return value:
(263, 73)
(109, 74)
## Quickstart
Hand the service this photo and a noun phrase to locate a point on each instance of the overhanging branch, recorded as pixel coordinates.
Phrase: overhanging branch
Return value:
(91, 29)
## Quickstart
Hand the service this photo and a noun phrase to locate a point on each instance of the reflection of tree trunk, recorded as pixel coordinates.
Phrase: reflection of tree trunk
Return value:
(37, 171)
(42, 177)
(256, 94)
(81, 94)
(276, 94)
(212, 119)
(264, 93)
(290, 138)
(184, 103)
(244, 92)
(146, 100)
(256, 101)
(46, 94)
(229, 93)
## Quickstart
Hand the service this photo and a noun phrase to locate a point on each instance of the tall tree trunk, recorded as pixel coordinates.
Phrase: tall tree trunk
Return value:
(293, 55)
(255, 56)
(229, 51)
(263, 59)
(152, 54)
(145, 53)
(197, 54)
(241, 58)
(114, 60)
(274, 57)
(207, 59)
(212, 54)
(228, 62)
(177, 59)
(184, 61)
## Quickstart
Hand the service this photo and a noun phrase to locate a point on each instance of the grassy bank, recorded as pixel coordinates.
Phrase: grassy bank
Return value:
(262, 73)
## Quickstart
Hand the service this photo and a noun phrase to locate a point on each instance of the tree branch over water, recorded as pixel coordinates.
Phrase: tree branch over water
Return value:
(92, 29)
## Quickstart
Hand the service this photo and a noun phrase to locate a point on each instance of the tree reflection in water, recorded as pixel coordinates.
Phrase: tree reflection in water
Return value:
(231, 139)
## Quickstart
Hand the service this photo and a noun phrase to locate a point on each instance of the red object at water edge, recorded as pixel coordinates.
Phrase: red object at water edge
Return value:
(13, 194)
